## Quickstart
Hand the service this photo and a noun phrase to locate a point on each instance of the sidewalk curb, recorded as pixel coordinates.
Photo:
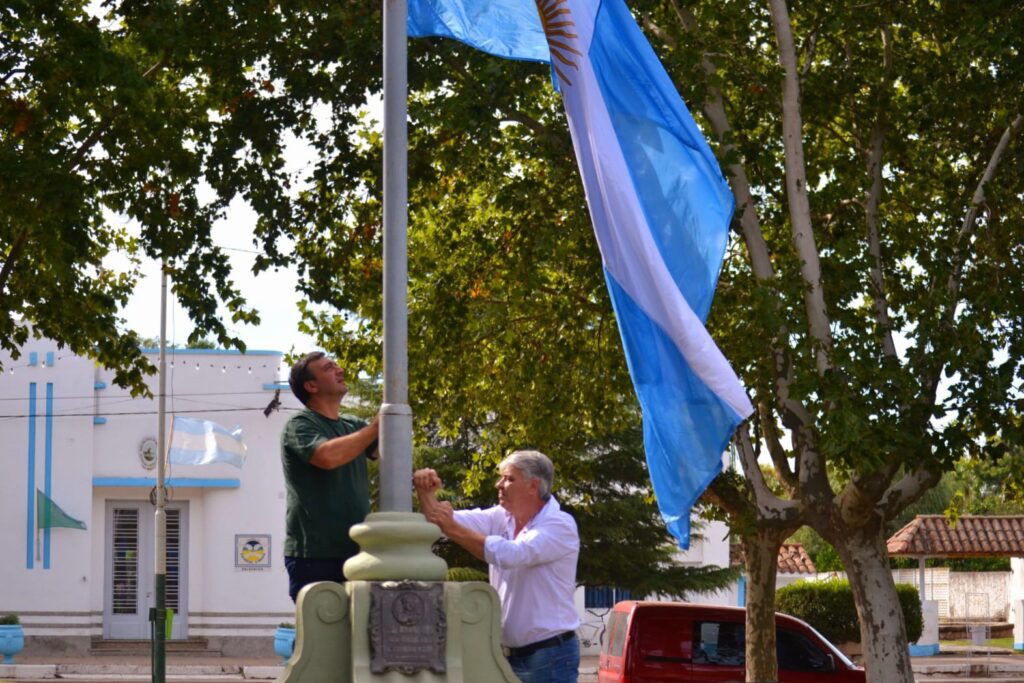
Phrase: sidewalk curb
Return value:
(262, 672)
(28, 671)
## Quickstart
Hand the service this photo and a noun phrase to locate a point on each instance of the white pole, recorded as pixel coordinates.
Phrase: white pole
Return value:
(396, 416)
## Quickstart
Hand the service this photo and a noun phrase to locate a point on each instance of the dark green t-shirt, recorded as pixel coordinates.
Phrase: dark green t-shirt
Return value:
(322, 504)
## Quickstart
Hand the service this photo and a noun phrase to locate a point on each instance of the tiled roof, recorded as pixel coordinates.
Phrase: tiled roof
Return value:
(973, 536)
(793, 559)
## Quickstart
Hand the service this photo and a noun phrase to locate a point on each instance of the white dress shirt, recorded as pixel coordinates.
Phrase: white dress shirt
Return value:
(534, 573)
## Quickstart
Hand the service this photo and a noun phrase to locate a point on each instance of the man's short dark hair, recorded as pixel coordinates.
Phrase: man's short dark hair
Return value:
(300, 374)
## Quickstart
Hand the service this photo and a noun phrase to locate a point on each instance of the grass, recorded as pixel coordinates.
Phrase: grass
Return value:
(994, 642)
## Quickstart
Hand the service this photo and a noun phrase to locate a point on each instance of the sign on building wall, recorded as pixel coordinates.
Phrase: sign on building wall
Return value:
(252, 551)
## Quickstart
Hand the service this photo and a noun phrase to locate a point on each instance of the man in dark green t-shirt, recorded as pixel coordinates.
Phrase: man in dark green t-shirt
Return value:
(324, 458)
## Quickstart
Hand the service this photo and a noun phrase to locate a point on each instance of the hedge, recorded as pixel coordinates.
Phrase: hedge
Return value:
(828, 607)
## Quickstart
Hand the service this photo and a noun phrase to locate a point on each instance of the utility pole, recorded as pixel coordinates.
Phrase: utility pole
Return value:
(158, 614)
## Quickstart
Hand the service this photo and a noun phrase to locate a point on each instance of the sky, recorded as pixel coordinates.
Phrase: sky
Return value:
(271, 293)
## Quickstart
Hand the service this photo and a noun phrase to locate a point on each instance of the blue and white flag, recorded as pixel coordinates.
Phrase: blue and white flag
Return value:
(201, 442)
(661, 212)
(509, 29)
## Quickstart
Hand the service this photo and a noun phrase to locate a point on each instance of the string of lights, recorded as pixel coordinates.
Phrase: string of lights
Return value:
(183, 364)
(115, 398)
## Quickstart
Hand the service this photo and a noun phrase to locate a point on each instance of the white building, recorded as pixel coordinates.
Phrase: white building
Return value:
(67, 431)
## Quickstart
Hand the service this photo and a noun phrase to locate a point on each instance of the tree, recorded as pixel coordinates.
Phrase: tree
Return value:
(877, 227)
(159, 114)
(877, 218)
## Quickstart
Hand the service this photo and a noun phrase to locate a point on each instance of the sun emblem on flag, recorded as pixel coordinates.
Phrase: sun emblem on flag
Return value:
(558, 25)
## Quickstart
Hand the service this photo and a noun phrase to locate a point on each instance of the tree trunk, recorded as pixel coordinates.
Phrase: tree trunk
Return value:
(883, 634)
(761, 559)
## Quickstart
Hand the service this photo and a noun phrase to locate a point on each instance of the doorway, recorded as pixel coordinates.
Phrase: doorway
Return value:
(129, 589)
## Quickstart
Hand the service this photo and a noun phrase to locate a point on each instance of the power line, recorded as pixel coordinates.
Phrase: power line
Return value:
(104, 413)
(121, 398)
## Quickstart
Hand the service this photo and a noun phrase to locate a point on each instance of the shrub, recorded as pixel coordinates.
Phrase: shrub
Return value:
(9, 620)
(465, 574)
(828, 607)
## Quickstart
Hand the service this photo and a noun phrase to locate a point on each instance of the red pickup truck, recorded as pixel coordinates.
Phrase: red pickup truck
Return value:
(655, 642)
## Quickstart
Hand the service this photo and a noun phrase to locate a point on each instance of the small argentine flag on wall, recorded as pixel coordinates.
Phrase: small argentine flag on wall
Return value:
(201, 442)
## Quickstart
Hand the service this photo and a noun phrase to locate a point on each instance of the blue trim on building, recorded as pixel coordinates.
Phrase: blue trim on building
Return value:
(1018, 646)
(33, 358)
(178, 482)
(274, 386)
(31, 523)
(48, 468)
(99, 420)
(216, 352)
(924, 650)
(741, 591)
(99, 385)
(49, 359)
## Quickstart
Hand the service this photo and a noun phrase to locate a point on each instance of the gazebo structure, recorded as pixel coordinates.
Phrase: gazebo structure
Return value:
(968, 536)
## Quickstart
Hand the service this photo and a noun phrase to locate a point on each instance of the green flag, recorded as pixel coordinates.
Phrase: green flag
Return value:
(51, 516)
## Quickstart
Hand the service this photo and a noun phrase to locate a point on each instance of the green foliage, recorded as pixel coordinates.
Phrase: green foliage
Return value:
(512, 339)
(623, 539)
(978, 564)
(126, 129)
(154, 343)
(828, 606)
(990, 486)
(9, 620)
(821, 552)
(465, 574)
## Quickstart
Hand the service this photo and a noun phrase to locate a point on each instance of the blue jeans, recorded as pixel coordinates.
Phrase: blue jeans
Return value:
(303, 571)
(557, 664)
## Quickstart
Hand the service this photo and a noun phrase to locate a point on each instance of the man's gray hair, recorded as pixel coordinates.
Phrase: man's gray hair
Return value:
(532, 465)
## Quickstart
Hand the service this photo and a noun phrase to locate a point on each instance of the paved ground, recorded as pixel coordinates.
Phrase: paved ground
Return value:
(952, 665)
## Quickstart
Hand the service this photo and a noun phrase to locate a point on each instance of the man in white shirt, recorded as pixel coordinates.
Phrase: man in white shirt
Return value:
(532, 548)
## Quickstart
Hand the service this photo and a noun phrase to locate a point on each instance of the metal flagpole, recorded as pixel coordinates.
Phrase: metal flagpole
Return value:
(158, 615)
(396, 416)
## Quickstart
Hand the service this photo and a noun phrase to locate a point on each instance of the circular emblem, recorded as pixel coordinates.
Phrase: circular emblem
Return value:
(147, 453)
(253, 551)
(408, 609)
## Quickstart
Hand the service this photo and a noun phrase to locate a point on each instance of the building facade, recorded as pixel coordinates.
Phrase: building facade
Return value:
(70, 436)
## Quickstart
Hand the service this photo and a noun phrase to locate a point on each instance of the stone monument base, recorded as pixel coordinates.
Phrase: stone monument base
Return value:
(398, 631)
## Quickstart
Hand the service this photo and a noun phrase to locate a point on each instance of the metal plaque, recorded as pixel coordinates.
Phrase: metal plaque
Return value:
(407, 627)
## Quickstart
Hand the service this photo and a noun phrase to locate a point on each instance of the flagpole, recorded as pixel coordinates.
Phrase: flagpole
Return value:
(158, 615)
(396, 416)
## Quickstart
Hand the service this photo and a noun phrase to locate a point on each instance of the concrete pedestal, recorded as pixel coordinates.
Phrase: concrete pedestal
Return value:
(928, 643)
(334, 640)
(1018, 625)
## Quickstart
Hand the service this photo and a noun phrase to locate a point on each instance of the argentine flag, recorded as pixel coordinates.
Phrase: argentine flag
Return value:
(201, 442)
(660, 209)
